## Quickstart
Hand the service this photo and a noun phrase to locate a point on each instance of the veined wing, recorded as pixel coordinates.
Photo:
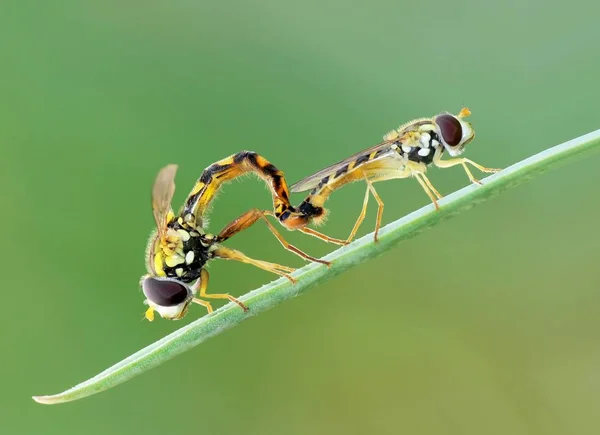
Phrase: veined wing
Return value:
(375, 152)
(162, 194)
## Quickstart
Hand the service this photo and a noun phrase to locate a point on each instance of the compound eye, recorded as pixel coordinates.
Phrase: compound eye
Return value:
(450, 128)
(164, 292)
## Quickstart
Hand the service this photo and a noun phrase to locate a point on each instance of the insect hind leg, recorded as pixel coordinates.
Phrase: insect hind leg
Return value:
(379, 208)
(324, 237)
(232, 254)
(361, 216)
(249, 218)
(425, 186)
(430, 186)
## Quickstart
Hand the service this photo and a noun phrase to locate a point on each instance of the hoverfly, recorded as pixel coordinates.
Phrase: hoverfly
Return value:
(405, 152)
(180, 247)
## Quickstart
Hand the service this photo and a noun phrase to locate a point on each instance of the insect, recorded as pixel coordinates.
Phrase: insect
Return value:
(405, 152)
(180, 247)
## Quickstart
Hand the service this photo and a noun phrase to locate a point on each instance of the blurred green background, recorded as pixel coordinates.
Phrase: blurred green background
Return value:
(485, 324)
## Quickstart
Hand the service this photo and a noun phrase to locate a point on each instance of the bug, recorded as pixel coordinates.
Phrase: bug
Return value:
(180, 247)
(405, 152)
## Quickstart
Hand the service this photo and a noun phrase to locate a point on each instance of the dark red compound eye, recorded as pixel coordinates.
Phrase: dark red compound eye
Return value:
(164, 292)
(450, 128)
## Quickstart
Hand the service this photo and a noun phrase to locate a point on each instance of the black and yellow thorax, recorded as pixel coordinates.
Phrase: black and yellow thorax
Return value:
(406, 150)
(181, 253)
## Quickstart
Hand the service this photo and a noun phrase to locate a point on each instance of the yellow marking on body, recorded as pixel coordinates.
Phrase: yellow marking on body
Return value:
(319, 198)
(158, 265)
(197, 188)
(372, 155)
(411, 138)
(170, 216)
(392, 168)
(368, 169)
(384, 174)
(415, 167)
(226, 161)
(351, 165)
(172, 238)
(185, 236)
(205, 199)
(189, 219)
(261, 161)
(209, 193)
(282, 192)
(174, 260)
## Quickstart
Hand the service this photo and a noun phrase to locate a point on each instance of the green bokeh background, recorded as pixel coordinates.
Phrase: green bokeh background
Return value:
(485, 324)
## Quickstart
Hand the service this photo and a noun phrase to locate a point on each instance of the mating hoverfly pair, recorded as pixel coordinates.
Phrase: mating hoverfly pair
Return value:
(180, 248)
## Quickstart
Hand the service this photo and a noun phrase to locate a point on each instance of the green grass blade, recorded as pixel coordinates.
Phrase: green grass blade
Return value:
(281, 290)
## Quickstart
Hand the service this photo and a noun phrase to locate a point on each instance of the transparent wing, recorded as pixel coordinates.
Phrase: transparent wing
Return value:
(313, 180)
(162, 194)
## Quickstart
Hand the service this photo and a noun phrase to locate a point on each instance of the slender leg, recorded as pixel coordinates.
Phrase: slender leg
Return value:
(379, 208)
(289, 246)
(232, 254)
(463, 162)
(202, 294)
(321, 236)
(433, 189)
(243, 222)
(427, 190)
(361, 216)
(249, 218)
(205, 304)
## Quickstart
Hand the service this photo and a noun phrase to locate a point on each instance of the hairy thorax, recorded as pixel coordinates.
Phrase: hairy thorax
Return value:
(415, 149)
(181, 253)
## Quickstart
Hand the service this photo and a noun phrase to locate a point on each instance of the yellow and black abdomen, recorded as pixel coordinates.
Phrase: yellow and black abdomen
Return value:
(225, 170)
